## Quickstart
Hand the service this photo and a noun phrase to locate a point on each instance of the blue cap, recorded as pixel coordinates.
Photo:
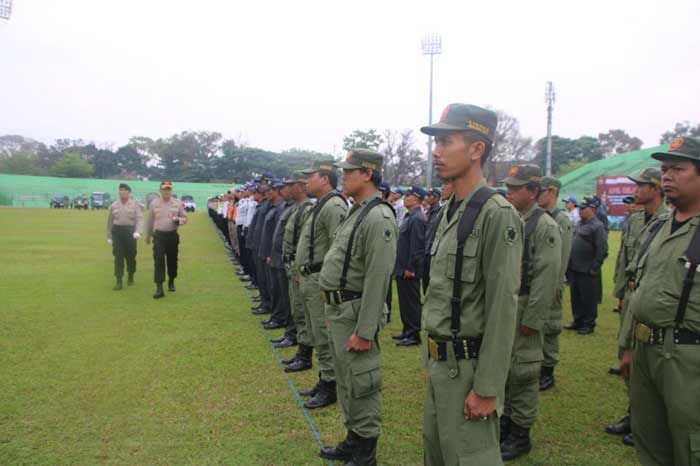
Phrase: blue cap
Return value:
(397, 190)
(435, 192)
(384, 187)
(267, 176)
(417, 191)
(277, 184)
(570, 198)
(589, 201)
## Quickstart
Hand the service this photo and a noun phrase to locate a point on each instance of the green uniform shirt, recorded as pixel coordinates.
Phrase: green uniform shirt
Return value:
(629, 243)
(327, 221)
(544, 271)
(371, 262)
(660, 274)
(489, 292)
(289, 246)
(566, 228)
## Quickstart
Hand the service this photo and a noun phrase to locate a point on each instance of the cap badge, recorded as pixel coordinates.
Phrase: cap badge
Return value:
(676, 144)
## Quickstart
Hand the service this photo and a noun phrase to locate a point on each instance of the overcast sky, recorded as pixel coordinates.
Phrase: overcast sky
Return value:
(304, 74)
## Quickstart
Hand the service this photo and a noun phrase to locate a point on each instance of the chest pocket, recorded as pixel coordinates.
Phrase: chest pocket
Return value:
(469, 262)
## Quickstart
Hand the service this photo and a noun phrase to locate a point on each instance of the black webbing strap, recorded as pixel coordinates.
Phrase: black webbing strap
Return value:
(314, 215)
(693, 255)
(555, 213)
(530, 227)
(346, 264)
(464, 229)
(651, 234)
(297, 222)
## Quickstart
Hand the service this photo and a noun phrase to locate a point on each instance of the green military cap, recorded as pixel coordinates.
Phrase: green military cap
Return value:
(361, 158)
(686, 148)
(550, 182)
(520, 175)
(465, 117)
(297, 177)
(648, 176)
(317, 165)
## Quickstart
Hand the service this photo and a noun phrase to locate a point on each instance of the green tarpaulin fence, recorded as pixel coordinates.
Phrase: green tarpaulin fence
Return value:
(35, 191)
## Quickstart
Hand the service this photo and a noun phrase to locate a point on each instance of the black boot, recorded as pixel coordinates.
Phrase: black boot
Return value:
(517, 443)
(159, 291)
(628, 440)
(313, 390)
(546, 378)
(130, 280)
(504, 422)
(171, 285)
(342, 451)
(326, 396)
(365, 453)
(118, 286)
(623, 427)
(302, 361)
(286, 343)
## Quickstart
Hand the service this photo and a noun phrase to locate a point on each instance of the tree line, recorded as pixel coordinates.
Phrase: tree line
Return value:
(204, 156)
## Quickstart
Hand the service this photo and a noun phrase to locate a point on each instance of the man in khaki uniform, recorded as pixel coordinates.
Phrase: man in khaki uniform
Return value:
(470, 322)
(552, 327)
(356, 271)
(648, 194)
(166, 214)
(314, 242)
(665, 307)
(540, 279)
(124, 226)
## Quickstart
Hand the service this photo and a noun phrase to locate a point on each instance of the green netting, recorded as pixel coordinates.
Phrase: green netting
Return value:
(35, 191)
(582, 182)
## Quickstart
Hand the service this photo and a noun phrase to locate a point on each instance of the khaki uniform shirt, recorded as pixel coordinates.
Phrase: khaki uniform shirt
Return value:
(289, 242)
(490, 284)
(128, 213)
(327, 221)
(165, 216)
(371, 262)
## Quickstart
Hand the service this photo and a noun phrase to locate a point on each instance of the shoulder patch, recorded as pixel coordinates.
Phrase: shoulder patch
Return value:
(388, 234)
(551, 241)
(511, 234)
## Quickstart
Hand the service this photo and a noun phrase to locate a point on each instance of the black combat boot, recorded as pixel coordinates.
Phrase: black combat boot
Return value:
(286, 343)
(623, 427)
(303, 360)
(505, 427)
(628, 440)
(313, 390)
(159, 291)
(118, 286)
(546, 378)
(326, 396)
(365, 453)
(342, 451)
(517, 443)
(300, 350)
(171, 285)
(130, 280)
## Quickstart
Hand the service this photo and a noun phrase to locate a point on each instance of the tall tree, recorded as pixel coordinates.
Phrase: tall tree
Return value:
(403, 162)
(508, 143)
(360, 139)
(20, 163)
(72, 165)
(564, 151)
(617, 141)
(682, 129)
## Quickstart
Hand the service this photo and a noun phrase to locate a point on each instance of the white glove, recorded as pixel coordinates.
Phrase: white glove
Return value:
(137, 235)
(109, 241)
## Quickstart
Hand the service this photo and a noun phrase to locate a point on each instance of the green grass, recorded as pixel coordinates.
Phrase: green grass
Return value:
(91, 376)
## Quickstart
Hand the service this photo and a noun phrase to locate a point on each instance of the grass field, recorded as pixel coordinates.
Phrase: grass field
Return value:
(89, 376)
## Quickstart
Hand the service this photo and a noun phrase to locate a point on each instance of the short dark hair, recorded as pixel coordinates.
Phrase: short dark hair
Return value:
(696, 164)
(331, 175)
(474, 137)
(376, 177)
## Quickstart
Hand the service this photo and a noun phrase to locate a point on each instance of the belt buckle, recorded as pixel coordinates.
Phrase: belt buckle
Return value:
(467, 353)
(433, 349)
(643, 333)
(338, 297)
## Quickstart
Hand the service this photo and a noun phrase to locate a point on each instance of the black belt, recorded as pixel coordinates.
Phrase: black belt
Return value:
(308, 269)
(656, 335)
(340, 296)
(464, 348)
(165, 233)
(123, 227)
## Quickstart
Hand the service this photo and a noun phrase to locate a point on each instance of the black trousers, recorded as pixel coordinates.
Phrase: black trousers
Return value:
(409, 306)
(282, 309)
(426, 275)
(165, 249)
(262, 276)
(585, 292)
(252, 263)
(123, 249)
(389, 299)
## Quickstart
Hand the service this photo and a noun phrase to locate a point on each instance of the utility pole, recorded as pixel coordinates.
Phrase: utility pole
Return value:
(431, 45)
(549, 98)
(5, 9)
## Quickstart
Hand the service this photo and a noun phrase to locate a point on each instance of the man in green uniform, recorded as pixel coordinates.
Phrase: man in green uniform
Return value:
(648, 194)
(552, 327)
(470, 311)
(356, 271)
(540, 280)
(124, 226)
(316, 237)
(666, 309)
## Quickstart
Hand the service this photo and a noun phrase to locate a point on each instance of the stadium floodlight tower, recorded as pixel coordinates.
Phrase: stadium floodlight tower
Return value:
(549, 98)
(5, 9)
(431, 45)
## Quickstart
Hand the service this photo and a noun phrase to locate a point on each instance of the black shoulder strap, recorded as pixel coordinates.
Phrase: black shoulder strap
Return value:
(693, 255)
(297, 222)
(530, 227)
(651, 234)
(464, 229)
(348, 250)
(314, 215)
(555, 213)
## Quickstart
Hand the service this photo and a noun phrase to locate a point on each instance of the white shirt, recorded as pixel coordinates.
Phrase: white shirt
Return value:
(400, 211)
(252, 206)
(574, 216)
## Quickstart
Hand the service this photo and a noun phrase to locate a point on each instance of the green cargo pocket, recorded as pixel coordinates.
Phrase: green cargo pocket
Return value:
(488, 457)
(526, 367)
(469, 261)
(366, 378)
(695, 448)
